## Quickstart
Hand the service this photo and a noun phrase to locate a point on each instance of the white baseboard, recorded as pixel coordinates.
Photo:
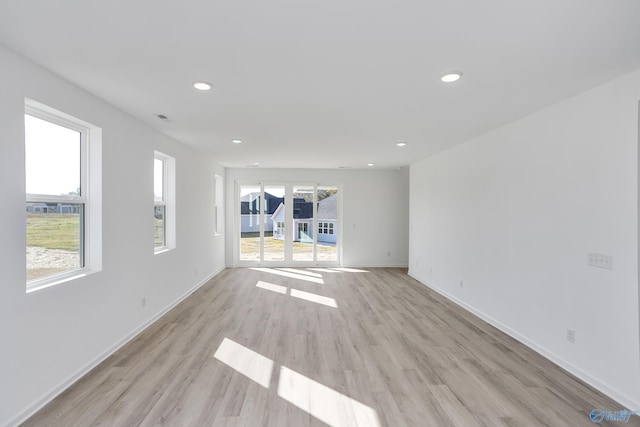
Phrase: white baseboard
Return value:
(48, 397)
(624, 400)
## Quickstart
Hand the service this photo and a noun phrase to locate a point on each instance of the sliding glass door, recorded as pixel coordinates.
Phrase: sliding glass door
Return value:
(302, 238)
(288, 224)
(250, 230)
(274, 230)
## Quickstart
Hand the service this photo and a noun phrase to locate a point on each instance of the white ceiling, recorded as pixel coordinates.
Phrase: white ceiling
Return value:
(323, 84)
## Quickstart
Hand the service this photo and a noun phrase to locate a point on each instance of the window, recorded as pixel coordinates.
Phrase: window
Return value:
(325, 228)
(218, 207)
(163, 201)
(63, 212)
(160, 204)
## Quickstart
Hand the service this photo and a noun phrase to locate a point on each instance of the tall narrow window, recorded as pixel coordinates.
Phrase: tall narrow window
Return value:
(57, 163)
(163, 200)
(160, 204)
(218, 208)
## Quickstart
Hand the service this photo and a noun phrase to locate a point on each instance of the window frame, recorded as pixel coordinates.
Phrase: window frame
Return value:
(89, 198)
(160, 203)
(168, 201)
(218, 205)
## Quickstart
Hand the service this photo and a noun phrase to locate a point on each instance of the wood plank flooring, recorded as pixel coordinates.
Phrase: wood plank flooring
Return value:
(391, 352)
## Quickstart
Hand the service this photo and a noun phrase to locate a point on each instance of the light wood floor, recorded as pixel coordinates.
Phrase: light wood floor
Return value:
(379, 349)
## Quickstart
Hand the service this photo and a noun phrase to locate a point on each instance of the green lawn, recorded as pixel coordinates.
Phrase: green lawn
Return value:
(274, 249)
(54, 231)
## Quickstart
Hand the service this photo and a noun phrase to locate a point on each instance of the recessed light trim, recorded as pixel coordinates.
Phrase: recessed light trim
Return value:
(371, 164)
(202, 85)
(401, 144)
(236, 141)
(451, 77)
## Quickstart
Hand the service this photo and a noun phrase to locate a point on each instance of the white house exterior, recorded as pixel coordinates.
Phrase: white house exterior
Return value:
(249, 212)
(328, 219)
(327, 225)
(302, 227)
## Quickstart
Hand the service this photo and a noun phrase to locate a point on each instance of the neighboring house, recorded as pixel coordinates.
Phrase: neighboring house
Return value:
(250, 211)
(328, 219)
(39, 208)
(68, 209)
(303, 221)
(60, 208)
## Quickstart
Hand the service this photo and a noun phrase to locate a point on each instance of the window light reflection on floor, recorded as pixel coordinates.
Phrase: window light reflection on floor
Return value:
(308, 296)
(324, 403)
(272, 287)
(349, 270)
(324, 270)
(289, 274)
(252, 365)
(300, 271)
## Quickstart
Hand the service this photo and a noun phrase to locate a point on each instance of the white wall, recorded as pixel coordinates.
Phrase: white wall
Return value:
(375, 209)
(514, 213)
(52, 335)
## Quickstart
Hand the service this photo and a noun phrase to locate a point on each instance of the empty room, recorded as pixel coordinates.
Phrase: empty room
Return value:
(340, 213)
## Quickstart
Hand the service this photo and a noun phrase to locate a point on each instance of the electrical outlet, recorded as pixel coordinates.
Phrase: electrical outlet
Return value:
(600, 260)
(571, 335)
(144, 301)
(388, 253)
(461, 284)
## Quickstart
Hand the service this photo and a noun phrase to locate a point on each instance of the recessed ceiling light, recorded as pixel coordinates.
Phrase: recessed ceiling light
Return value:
(236, 141)
(401, 144)
(451, 77)
(202, 85)
(256, 163)
(370, 164)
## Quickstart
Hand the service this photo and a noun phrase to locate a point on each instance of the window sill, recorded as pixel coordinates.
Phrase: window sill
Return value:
(48, 282)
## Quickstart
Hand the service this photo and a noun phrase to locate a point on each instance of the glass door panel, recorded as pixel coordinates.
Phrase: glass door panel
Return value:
(274, 223)
(327, 225)
(302, 223)
(250, 208)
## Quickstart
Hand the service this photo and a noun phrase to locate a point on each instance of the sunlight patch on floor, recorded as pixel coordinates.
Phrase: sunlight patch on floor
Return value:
(272, 287)
(252, 365)
(289, 274)
(324, 270)
(324, 403)
(308, 296)
(298, 271)
(349, 270)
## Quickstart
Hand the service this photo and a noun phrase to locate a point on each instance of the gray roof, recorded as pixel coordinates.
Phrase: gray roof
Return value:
(328, 208)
